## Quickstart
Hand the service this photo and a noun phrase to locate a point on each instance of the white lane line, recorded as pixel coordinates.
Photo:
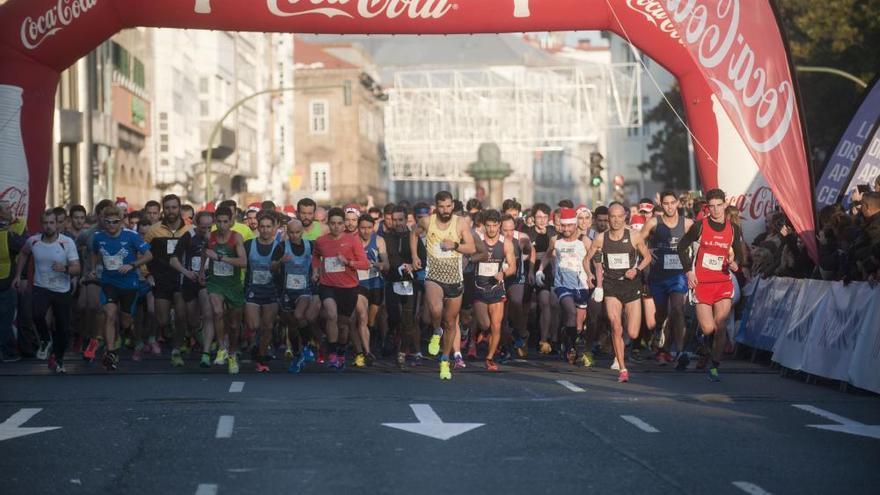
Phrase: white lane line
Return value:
(206, 489)
(571, 386)
(224, 426)
(236, 387)
(825, 414)
(750, 488)
(638, 423)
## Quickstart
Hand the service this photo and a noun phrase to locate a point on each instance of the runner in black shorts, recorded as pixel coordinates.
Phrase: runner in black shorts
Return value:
(261, 284)
(490, 294)
(188, 258)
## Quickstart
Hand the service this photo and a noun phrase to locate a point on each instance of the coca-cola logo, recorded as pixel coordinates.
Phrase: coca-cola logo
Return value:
(367, 9)
(745, 85)
(655, 14)
(17, 199)
(755, 205)
(35, 31)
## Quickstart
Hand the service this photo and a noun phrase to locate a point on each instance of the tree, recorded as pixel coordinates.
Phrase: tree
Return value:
(668, 162)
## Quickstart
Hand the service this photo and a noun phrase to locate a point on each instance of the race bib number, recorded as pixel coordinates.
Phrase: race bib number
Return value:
(672, 262)
(195, 263)
(487, 269)
(404, 288)
(618, 261)
(295, 281)
(368, 274)
(440, 253)
(222, 269)
(113, 263)
(713, 263)
(570, 263)
(170, 246)
(333, 265)
(261, 277)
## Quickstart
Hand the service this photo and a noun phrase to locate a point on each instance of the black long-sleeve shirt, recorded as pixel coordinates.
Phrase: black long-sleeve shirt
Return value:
(693, 235)
(397, 245)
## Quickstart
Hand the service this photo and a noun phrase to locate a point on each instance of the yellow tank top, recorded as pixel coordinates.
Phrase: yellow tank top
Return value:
(5, 258)
(443, 266)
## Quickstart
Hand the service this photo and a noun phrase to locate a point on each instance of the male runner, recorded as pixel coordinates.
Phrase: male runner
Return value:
(93, 325)
(300, 304)
(264, 255)
(540, 235)
(709, 272)
(516, 285)
(490, 295)
(121, 253)
(371, 293)
(621, 282)
(305, 212)
(667, 278)
(188, 259)
(400, 295)
(225, 250)
(447, 239)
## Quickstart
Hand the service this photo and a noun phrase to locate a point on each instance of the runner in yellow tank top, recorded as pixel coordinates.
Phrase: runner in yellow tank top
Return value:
(447, 239)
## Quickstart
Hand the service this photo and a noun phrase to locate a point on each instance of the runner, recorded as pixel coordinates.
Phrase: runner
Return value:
(163, 238)
(718, 254)
(93, 325)
(371, 292)
(188, 258)
(400, 295)
(516, 285)
(261, 289)
(541, 274)
(55, 261)
(300, 304)
(447, 239)
(337, 257)
(305, 212)
(121, 253)
(490, 295)
(152, 210)
(667, 279)
(621, 282)
(225, 250)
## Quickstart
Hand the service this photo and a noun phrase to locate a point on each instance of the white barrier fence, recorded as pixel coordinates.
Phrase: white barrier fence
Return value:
(824, 328)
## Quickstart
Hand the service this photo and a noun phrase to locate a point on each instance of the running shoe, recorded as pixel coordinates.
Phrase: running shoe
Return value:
(288, 354)
(571, 356)
(297, 364)
(434, 345)
(261, 367)
(445, 374)
(369, 358)
(635, 355)
(332, 360)
(110, 361)
(117, 344)
(176, 358)
(184, 349)
(89, 353)
(521, 350)
(587, 359)
(233, 364)
(205, 362)
(683, 362)
(43, 351)
(615, 365)
(128, 343)
(401, 360)
(51, 361)
(623, 377)
(308, 354)
(359, 360)
(491, 366)
(459, 363)
(59, 369)
(222, 356)
(320, 357)
(417, 360)
(138, 354)
(544, 347)
(663, 358)
(155, 348)
(713, 374)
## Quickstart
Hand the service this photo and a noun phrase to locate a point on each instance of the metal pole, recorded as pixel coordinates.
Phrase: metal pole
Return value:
(692, 167)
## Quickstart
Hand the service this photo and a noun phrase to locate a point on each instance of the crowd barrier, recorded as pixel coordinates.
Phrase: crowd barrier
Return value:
(823, 328)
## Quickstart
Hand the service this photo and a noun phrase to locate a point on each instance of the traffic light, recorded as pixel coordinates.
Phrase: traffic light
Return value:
(596, 169)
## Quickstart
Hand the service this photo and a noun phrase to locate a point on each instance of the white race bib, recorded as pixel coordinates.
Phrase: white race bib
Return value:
(672, 262)
(261, 277)
(368, 274)
(487, 269)
(713, 263)
(571, 263)
(440, 253)
(404, 288)
(295, 281)
(222, 269)
(333, 265)
(113, 263)
(170, 246)
(618, 261)
(196, 263)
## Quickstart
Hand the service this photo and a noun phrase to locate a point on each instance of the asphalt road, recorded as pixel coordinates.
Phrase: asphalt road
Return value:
(150, 429)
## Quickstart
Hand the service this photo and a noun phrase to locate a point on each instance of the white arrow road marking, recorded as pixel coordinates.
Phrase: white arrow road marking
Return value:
(236, 387)
(846, 425)
(431, 425)
(638, 423)
(750, 488)
(571, 386)
(206, 489)
(11, 428)
(224, 426)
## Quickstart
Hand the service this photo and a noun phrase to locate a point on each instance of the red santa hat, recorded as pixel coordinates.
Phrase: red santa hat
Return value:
(253, 207)
(567, 216)
(122, 203)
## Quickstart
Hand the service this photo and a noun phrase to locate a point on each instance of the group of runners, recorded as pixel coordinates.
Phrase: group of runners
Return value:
(449, 280)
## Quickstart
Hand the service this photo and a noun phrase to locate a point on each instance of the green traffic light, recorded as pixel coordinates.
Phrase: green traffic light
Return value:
(597, 181)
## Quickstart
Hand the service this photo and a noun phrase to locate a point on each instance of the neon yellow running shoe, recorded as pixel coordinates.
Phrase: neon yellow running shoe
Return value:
(445, 374)
(221, 358)
(233, 364)
(360, 361)
(587, 359)
(434, 345)
(176, 359)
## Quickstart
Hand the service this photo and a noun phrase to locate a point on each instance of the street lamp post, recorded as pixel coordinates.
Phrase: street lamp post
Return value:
(209, 193)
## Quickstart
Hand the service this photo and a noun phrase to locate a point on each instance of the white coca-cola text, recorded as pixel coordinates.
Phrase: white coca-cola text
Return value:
(367, 9)
(764, 108)
(755, 205)
(656, 15)
(35, 31)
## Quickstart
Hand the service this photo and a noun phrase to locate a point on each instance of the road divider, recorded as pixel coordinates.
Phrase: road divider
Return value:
(638, 423)
(236, 387)
(225, 426)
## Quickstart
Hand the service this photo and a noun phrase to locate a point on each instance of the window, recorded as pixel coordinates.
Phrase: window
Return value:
(318, 117)
(203, 84)
(204, 110)
(138, 73)
(320, 180)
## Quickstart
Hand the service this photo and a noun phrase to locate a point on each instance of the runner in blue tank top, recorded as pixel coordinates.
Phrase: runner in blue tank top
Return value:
(261, 284)
(300, 304)
(371, 287)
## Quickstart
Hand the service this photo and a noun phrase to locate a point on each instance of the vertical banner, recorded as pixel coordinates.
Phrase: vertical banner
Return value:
(830, 188)
(868, 166)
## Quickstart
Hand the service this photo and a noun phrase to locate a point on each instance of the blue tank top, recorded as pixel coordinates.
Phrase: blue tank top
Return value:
(371, 279)
(664, 240)
(259, 268)
(298, 271)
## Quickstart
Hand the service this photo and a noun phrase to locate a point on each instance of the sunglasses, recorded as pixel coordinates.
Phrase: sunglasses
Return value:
(111, 222)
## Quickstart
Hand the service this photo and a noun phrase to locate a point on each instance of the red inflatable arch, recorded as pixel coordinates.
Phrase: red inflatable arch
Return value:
(729, 58)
